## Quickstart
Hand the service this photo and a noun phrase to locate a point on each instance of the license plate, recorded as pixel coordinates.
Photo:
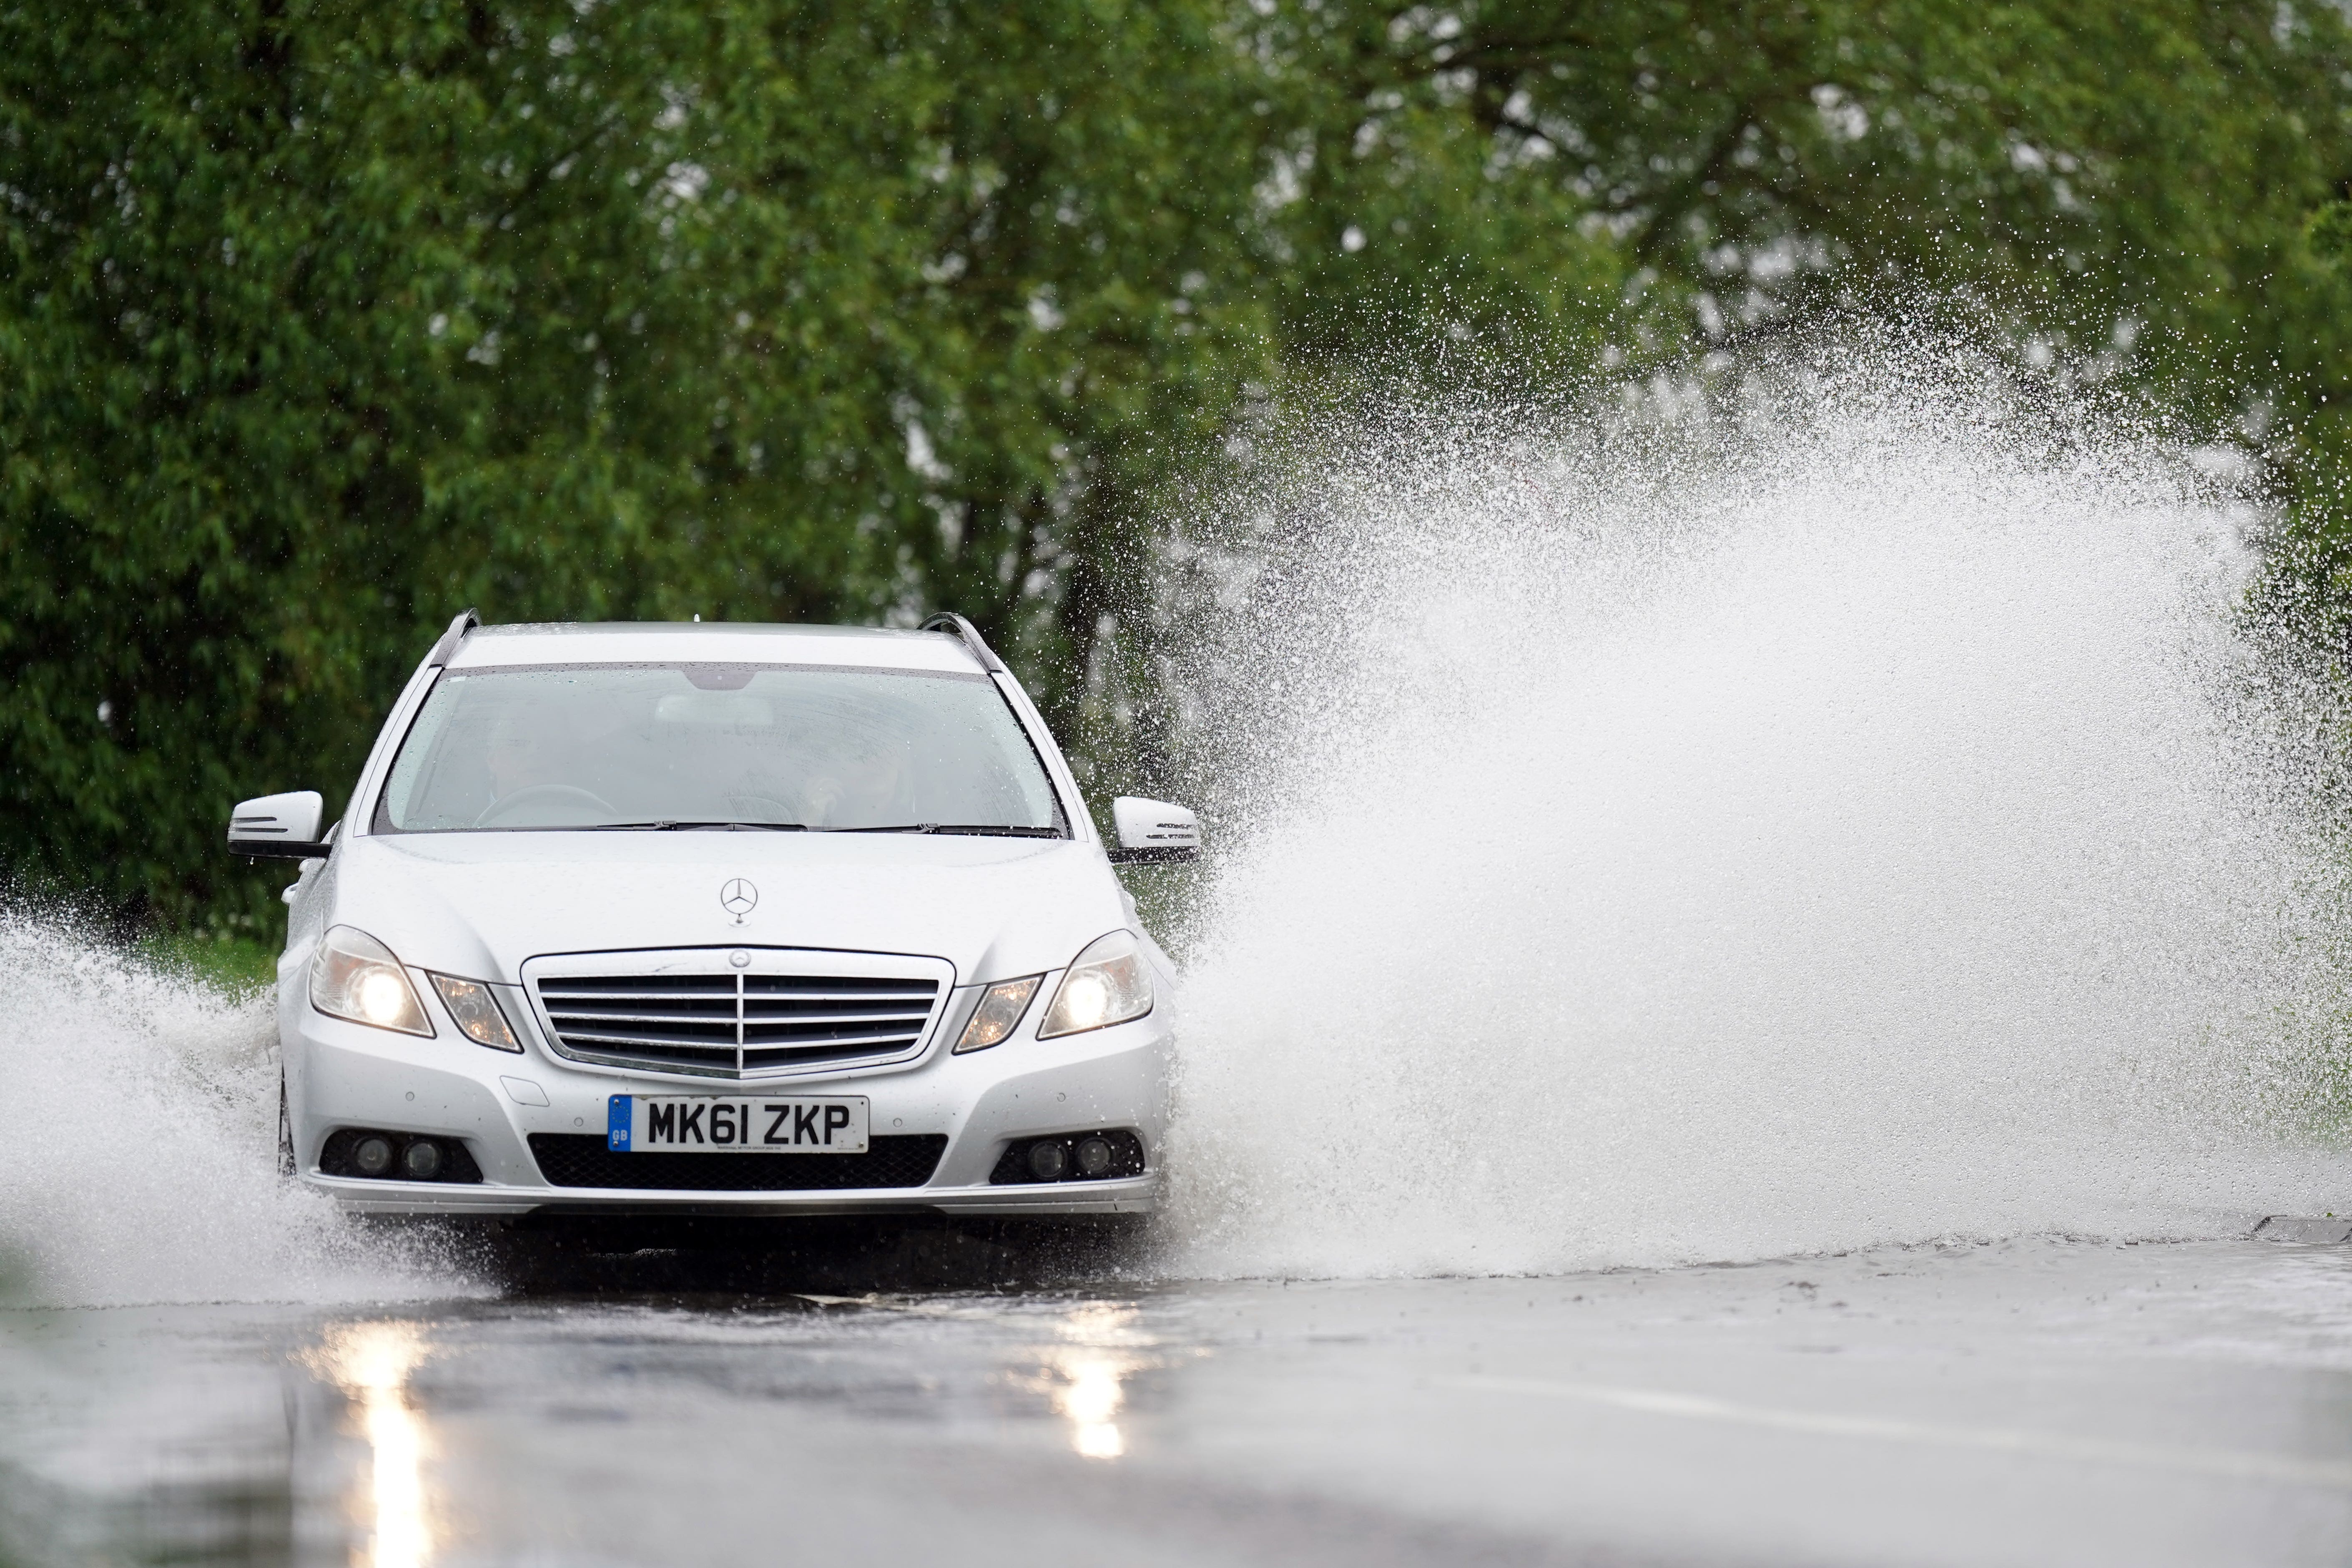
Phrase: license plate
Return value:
(735, 1125)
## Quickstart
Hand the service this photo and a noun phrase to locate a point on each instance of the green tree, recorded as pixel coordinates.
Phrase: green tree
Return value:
(2062, 171)
(322, 321)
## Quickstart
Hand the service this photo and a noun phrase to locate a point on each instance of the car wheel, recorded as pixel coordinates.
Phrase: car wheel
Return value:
(285, 1133)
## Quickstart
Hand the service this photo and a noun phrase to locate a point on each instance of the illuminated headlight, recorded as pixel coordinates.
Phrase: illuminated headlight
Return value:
(477, 1014)
(998, 1014)
(354, 976)
(1107, 983)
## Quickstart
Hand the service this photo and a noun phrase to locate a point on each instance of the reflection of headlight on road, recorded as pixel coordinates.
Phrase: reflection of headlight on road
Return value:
(1088, 1375)
(1089, 1398)
(372, 1363)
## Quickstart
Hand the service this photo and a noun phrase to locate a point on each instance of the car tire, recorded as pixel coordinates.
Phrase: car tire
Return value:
(285, 1133)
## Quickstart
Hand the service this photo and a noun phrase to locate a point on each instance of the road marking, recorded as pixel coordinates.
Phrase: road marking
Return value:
(2226, 1462)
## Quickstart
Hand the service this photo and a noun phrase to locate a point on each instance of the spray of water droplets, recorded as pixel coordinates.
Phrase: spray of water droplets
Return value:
(1855, 814)
(138, 1162)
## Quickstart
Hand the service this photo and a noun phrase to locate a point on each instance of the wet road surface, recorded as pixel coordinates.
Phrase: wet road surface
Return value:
(2030, 1402)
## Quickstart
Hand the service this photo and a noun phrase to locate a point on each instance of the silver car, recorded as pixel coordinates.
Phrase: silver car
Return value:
(745, 919)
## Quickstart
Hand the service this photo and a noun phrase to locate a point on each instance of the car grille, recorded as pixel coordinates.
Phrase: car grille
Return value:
(584, 1160)
(733, 1024)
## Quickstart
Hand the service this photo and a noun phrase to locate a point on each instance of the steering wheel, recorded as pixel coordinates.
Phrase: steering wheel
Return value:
(498, 809)
(747, 808)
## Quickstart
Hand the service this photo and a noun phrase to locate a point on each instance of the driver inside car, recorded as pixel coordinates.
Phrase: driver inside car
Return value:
(859, 782)
(528, 746)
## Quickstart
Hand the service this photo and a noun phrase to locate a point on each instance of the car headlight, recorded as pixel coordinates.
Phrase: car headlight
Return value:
(477, 1014)
(354, 976)
(1107, 983)
(998, 1014)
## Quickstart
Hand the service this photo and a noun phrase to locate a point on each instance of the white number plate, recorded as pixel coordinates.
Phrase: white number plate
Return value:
(735, 1125)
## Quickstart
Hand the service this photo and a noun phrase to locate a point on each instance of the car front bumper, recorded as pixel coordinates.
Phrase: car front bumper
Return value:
(342, 1075)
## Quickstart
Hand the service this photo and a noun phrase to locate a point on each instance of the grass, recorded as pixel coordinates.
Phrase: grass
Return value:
(229, 962)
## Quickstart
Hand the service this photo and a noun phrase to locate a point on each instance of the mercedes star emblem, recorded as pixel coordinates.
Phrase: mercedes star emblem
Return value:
(739, 898)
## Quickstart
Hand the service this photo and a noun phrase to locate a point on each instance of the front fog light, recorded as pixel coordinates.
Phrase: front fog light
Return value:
(1107, 983)
(477, 1014)
(998, 1014)
(354, 976)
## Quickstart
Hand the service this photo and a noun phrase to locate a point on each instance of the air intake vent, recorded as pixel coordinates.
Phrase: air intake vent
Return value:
(760, 1020)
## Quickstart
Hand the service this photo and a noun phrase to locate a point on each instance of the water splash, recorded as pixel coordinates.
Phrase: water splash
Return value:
(140, 1161)
(1652, 836)
(1853, 817)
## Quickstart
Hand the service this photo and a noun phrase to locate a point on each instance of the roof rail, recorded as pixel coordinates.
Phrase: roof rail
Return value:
(446, 648)
(958, 626)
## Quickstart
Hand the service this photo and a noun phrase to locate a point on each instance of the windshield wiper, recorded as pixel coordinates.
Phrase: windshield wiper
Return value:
(990, 829)
(672, 827)
(666, 825)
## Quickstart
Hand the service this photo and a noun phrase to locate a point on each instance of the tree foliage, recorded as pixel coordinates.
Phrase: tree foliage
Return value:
(321, 322)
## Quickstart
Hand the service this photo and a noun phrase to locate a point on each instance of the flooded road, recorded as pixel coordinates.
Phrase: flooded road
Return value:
(2020, 1402)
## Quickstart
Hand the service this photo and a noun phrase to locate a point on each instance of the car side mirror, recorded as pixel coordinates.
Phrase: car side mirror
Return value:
(278, 827)
(1153, 833)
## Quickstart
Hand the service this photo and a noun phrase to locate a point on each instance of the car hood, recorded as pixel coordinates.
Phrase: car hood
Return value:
(481, 904)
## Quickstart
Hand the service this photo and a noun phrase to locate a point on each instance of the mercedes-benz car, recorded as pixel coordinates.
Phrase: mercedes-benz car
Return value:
(719, 916)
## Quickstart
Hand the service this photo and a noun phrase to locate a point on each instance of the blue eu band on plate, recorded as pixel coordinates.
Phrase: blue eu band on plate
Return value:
(736, 1124)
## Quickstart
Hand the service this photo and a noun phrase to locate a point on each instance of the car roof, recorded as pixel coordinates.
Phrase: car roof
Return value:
(711, 642)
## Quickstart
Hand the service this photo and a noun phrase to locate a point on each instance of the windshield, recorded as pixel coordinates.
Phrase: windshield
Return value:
(684, 746)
